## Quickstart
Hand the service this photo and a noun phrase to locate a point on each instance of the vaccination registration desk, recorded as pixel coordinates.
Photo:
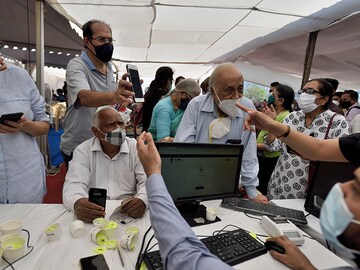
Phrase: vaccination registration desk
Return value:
(66, 252)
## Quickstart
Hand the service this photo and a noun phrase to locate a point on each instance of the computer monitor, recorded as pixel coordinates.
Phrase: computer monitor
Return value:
(198, 172)
(326, 175)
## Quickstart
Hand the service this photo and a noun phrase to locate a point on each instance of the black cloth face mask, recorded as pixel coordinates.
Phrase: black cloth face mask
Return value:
(103, 52)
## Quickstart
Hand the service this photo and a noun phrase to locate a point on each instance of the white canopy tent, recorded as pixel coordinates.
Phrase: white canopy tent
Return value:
(193, 36)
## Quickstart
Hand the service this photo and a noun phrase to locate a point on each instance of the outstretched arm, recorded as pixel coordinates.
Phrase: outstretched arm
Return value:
(179, 247)
(325, 150)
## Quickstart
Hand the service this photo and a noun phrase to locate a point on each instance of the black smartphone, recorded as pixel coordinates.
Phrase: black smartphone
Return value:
(98, 196)
(14, 117)
(318, 201)
(96, 262)
(136, 84)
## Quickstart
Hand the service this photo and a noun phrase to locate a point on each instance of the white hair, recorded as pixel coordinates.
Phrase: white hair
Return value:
(96, 120)
(189, 86)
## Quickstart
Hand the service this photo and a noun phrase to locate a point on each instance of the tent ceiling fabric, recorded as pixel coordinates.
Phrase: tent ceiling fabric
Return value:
(18, 28)
(193, 36)
(337, 54)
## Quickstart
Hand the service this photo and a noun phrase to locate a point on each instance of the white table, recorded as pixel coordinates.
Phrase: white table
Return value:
(66, 252)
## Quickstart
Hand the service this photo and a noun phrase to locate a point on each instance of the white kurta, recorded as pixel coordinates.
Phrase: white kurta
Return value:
(122, 176)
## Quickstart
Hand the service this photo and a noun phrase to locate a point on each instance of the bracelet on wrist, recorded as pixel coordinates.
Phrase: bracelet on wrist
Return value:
(284, 135)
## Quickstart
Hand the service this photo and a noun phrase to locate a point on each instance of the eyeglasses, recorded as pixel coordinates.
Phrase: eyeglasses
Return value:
(104, 39)
(309, 91)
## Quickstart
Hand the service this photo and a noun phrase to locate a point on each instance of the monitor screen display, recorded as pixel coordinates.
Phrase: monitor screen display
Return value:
(198, 172)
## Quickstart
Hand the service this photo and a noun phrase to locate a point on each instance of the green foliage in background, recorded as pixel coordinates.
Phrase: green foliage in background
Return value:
(255, 92)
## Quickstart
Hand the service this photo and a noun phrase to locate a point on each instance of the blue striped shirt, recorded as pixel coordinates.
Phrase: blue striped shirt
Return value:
(22, 169)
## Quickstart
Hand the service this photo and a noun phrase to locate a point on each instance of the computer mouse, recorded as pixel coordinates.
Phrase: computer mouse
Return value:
(270, 245)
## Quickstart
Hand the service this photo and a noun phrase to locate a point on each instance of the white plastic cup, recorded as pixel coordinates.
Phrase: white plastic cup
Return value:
(13, 248)
(53, 232)
(13, 226)
(98, 236)
(129, 239)
(77, 229)
(211, 213)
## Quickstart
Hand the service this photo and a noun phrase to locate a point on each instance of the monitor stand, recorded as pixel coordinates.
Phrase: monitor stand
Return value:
(195, 214)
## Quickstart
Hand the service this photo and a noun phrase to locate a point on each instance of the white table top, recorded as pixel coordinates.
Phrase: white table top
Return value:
(66, 252)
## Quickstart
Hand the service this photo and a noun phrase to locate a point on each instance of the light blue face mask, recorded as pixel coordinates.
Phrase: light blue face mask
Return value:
(335, 217)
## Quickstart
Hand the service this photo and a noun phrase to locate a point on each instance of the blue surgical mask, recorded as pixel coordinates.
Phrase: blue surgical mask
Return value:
(335, 217)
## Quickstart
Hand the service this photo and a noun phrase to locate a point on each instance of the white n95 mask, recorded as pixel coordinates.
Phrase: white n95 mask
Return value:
(335, 217)
(219, 127)
(115, 137)
(307, 102)
(228, 106)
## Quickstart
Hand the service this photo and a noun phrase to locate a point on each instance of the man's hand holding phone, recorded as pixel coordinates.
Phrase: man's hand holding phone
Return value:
(88, 211)
(123, 93)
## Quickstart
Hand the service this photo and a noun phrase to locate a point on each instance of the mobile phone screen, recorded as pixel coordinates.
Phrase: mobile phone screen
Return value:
(14, 117)
(318, 201)
(98, 196)
(136, 84)
(96, 262)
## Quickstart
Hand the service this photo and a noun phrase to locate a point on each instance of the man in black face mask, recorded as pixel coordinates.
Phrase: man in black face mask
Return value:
(349, 101)
(90, 84)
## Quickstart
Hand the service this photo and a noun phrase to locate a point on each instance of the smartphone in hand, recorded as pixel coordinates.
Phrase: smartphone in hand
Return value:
(98, 196)
(14, 117)
(136, 84)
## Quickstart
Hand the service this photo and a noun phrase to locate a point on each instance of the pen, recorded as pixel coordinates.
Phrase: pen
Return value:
(120, 255)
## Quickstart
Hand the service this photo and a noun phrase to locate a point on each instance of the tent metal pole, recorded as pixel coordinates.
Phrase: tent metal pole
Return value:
(39, 11)
(310, 49)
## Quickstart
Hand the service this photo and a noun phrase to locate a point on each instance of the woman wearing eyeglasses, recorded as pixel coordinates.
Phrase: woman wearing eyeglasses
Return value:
(169, 111)
(289, 179)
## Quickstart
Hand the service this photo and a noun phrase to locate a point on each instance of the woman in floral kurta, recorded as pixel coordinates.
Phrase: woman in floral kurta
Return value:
(289, 179)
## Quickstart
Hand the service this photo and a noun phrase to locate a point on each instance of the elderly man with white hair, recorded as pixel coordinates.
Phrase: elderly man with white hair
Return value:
(108, 160)
(214, 118)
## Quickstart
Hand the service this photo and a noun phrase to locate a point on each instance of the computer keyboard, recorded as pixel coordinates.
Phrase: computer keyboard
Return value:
(232, 247)
(244, 205)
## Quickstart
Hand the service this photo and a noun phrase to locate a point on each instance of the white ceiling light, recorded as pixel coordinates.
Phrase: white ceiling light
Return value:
(15, 48)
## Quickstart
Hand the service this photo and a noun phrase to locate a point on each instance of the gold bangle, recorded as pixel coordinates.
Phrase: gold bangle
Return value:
(287, 132)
